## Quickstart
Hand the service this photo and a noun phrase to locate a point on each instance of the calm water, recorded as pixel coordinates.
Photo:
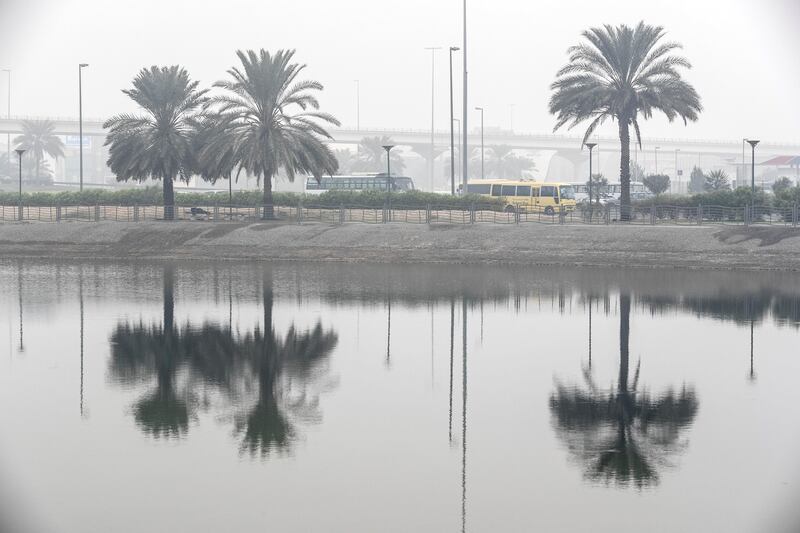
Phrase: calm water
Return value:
(236, 397)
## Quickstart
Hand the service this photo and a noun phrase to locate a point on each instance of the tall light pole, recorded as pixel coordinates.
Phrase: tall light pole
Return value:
(452, 141)
(464, 128)
(80, 118)
(389, 181)
(483, 175)
(433, 101)
(20, 151)
(458, 134)
(753, 144)
(358, 105)
(656, 153)
(590, 146)
(8, 116)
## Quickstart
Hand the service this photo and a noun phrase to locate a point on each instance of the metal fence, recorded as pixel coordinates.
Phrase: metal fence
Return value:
(430, 214)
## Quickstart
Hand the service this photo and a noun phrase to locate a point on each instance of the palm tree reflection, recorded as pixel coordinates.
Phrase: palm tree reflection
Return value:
(622, 436)
(263, 377)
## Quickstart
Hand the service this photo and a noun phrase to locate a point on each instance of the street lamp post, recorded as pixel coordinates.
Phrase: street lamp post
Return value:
(452, 140)
(753, 144)
(389, 180)
(483, 175)
(656, 153)
(433, 100)
(8, 116)
(20, 151)
(464, 128)
(590, 146)
(80, 119)
(458, 134)
(358, 105)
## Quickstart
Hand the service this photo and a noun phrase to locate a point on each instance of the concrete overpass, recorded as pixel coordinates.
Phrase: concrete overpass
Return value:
(560, 154)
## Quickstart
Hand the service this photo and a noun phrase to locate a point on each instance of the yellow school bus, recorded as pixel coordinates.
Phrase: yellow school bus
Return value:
(530, 195)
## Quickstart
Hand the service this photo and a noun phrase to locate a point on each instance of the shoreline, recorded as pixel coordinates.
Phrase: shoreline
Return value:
(707, 247)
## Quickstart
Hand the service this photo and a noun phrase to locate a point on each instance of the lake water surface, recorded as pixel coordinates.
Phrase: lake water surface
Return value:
(246, 397)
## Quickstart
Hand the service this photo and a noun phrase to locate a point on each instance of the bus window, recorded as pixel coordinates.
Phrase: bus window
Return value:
(524, 190)
(548, 191)
(508, 190)
(535, 192)
(567, 192)
(496, 190)
(478, 188)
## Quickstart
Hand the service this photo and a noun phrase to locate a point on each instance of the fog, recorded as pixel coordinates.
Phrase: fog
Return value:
(743, 53)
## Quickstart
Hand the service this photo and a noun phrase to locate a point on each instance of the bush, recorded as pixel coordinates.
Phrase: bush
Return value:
(726, 198)
(154, 196)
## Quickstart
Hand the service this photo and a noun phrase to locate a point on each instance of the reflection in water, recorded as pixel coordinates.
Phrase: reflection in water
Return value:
(464, 421)
(752, 376)
(263, 375)
(80, 302)
(622, 436)
(19, 292)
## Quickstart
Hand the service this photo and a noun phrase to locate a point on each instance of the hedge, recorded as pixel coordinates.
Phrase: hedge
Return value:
(153, 196)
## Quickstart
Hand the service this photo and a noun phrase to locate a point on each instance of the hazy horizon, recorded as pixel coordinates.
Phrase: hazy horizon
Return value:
(743, 56)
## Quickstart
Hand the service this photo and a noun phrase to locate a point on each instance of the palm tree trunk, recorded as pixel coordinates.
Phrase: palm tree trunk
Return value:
(169, 199)
(625, 170)
(624, 337)
(269, 209)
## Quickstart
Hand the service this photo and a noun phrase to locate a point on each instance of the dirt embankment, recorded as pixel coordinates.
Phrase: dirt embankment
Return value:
(705, 247)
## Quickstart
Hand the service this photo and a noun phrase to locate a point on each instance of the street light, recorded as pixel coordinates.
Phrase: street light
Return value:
(483, 176)
(358, 105)
(452, 141)
(465, 102)
(590, 146)
(753, 144)
(80, 119)
(656, 152)
(389, 181)
(433, 100)
(8, 115)
(458, 134)
(20, 151)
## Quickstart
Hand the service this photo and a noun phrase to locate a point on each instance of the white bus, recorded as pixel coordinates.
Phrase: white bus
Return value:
(359, 182)
(611, 192)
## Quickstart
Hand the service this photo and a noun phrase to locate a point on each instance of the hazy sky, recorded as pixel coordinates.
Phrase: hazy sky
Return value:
(746, 55)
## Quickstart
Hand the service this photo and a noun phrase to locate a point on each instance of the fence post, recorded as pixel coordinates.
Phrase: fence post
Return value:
(135, 213)
(608, 214)
(746, 215)
(58, 213)
(216, 212)
(700, 214)
(561, 214)
(652, 215)
(300, 211)
(341, 213)
(97, 212)
(794, 215)
(428, 214)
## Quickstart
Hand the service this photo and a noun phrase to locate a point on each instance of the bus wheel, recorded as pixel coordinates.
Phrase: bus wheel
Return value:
(509, 209)
(549, 211)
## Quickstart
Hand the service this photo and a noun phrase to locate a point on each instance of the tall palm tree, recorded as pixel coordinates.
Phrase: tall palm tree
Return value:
(623, 435)
(623, 74)
(159, 144)
(372, 156)
(39, 140)
(274, 119)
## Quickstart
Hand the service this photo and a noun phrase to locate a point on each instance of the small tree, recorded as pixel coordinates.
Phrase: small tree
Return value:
(697, 180)
(598, 184)
(781, 184)
(656, 183)
(637, 172)
(716, 180)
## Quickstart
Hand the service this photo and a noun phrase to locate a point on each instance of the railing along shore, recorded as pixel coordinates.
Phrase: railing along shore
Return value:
(429, 214)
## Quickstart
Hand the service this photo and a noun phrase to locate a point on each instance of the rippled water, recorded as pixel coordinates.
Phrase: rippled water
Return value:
(243, 397)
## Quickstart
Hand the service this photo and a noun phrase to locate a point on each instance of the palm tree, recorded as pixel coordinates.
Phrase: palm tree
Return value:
(372, 156)
(622, 435)
(274, 120)
(216, 150)
(39, 140)
(504, 163)
(623, 74)
(158, 144)
(717, 180)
